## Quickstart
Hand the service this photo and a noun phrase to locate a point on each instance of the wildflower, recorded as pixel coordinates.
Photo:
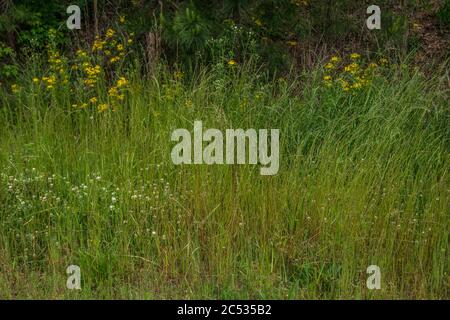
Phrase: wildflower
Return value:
(112, 92)
(329, 66)
(110, 33)
(344, 84)
(102, 107)
(292, 43)
(383, 61)
(130, 41)
(232, 62)
(122, 19)
(356, 85)
(352, 68)
(15, 88)
(93, 100)
(98, 45)
(417, 26)
(335, 59)
(81, 53)
(258, 22)
(355, 56)
(90, 82)
(36, 80)
(114, 59)
(119, 47)
(122, 82)
(327, 80)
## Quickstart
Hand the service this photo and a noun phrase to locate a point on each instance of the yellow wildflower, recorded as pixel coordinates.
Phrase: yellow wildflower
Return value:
(15, 88)
(232, 62)
(122, 19)
(292, 43)
(110, 33)
(102, 107)
(93, 100)
(417, 26)
(98, 45)
(335, 59)
(122, 82)
(114, 59)
(329, 66)
(355, 56)
(113, 92)
(356, 85)
(81, 53)
(36, 80)
(344, 84)
(352, 68)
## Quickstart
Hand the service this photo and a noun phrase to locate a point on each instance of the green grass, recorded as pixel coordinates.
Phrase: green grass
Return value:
(363, 180)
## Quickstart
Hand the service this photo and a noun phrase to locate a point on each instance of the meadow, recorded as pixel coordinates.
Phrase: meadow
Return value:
(87, 179)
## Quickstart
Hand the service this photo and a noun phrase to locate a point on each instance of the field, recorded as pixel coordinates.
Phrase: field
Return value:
(363, 180)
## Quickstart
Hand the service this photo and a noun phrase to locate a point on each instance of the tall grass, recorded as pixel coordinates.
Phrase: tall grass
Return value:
(363, 180)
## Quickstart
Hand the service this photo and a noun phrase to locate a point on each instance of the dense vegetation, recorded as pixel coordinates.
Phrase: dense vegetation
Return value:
(86, 176)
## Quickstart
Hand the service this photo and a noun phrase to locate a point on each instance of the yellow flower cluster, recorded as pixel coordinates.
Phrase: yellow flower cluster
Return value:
(102, 107)
(15, 88)
(50, 82)
(351, 76)
(57, 74)
(91, 74)
(352, 68)
(115, 94)
(88, 70)
(111, 45)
